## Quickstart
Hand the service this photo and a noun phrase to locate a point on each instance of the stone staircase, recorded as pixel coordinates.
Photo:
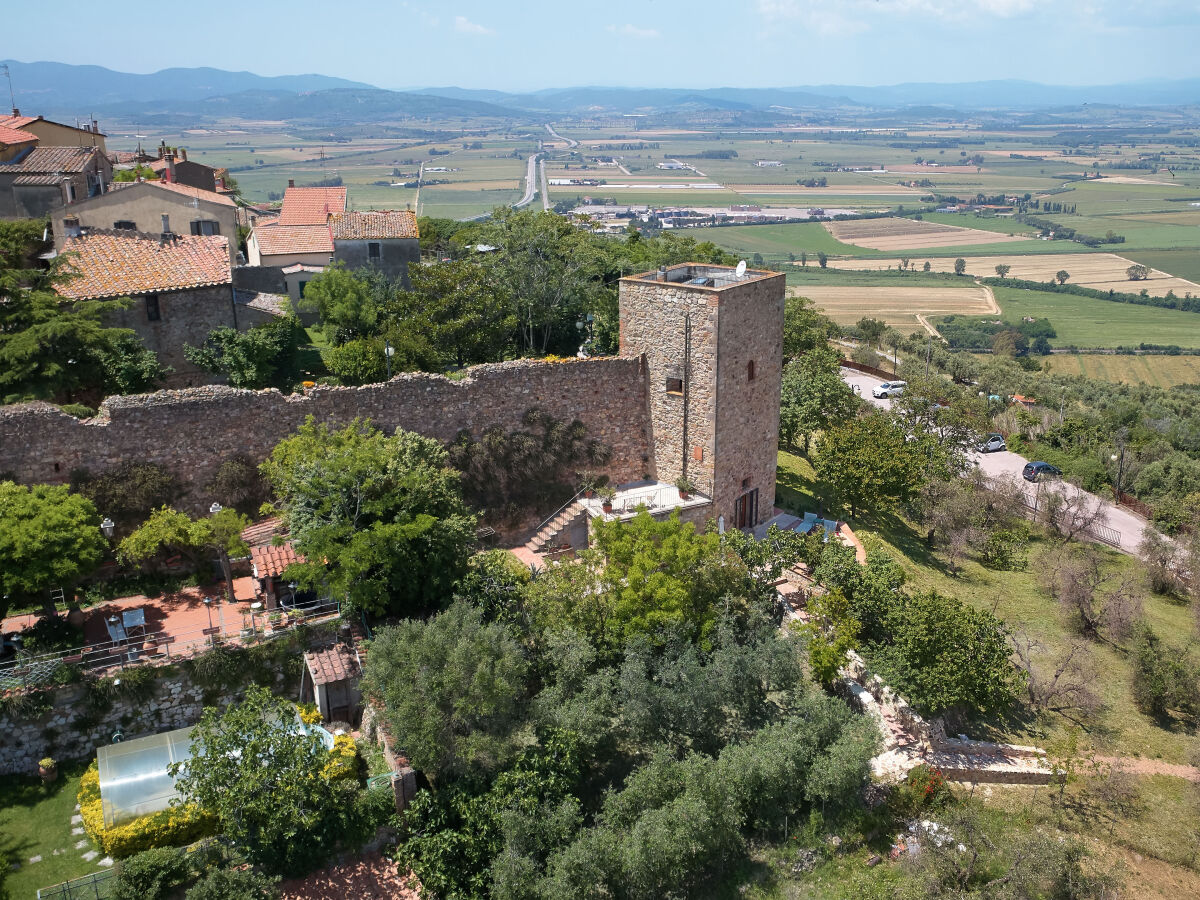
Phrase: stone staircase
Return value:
(553, 528)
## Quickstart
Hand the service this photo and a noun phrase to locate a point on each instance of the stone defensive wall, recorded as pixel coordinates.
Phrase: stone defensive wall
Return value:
(191, 431)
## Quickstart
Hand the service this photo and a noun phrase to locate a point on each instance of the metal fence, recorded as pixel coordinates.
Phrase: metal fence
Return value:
(90, 887)
(1100, 532)
(33, 672)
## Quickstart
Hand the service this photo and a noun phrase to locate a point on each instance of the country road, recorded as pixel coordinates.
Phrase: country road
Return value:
(1007, 465)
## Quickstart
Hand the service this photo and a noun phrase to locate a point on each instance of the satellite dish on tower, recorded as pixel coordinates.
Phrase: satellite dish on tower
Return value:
(740, 271)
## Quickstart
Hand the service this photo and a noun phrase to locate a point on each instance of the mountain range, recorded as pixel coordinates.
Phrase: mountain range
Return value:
(65, 90)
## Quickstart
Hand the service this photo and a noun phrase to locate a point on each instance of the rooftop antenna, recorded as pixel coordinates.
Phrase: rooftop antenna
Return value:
(740, 271)
(12, 99)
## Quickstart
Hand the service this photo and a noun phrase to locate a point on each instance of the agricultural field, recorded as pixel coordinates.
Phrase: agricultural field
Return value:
(909, 234)
(1100, 271)
(1088, 322)
(903, 308)
(1157, 370)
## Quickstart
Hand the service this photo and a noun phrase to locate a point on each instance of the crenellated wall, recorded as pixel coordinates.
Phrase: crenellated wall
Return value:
(190, 432)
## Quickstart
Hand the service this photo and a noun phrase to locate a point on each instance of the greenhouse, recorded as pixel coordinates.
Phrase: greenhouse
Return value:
(135, 778)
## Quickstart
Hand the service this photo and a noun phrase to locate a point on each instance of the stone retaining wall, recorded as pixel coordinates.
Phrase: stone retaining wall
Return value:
(190, 432)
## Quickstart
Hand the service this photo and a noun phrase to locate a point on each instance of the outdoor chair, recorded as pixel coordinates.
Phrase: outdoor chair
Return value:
(134, 620)
(116, 631)
(805, 525)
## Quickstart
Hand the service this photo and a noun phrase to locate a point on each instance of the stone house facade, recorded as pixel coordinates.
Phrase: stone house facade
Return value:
(386, 240)
(36, 182)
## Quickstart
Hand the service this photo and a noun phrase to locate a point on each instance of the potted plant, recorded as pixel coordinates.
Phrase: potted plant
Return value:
(273, 621)
(589, 482)
(48, 769)
(607, 496)
(685, 486)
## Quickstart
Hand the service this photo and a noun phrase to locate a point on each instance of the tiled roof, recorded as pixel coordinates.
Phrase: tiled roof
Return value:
(337, 663)
(52, 159)
(116, 264)
(260, 534)
(296, 268)
(185, 189)
(311, 205)
(380, 224)
(38, 179)
(269, 561)
(10, 135)
(277, 239)
(17, 121)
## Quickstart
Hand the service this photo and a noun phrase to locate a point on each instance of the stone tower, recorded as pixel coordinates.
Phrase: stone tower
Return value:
(713, 349)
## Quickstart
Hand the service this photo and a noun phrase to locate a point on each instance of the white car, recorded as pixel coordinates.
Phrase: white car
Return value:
(888, 389)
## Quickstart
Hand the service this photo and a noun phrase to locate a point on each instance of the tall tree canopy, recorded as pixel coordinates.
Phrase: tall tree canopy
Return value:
(379, 518)
(869, 463)
(49, 537)
(814, 396)
(55, 349)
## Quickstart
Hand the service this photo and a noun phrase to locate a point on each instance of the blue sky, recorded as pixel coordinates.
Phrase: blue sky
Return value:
(533, 44)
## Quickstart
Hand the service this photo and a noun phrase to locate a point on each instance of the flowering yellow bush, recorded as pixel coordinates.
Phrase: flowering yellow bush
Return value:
(343, 759)
(309, 714)
(171, 827)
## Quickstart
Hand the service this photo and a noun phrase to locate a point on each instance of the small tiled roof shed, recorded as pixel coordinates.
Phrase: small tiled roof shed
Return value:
(331, 681)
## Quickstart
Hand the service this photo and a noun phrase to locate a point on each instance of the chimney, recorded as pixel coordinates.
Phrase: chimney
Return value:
(170, 172)
(183, 154)
(71, 226)
(291, 182)
(662, 273)
(166, 235)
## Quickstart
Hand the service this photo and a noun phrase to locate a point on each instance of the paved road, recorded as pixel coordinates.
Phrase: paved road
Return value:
(571, 145)
(530, 182)
(1009, 465)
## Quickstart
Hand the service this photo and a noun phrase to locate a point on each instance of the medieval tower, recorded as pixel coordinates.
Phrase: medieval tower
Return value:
(713, 347)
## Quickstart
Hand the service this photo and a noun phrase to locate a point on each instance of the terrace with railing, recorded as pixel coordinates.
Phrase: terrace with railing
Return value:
(228, 624)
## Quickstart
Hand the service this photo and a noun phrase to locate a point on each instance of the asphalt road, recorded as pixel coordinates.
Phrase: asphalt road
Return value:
(530, 182)
(1007, 465)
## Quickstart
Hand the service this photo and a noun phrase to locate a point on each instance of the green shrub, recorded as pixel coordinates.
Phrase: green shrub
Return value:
(1005, 549)
(152, 873)
(234, 884)
(78, 410)
(128, 493)
(358, 362)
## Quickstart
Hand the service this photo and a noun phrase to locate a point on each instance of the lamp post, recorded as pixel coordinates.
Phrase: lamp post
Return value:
(223, 556)
(108, 527)
(388, 350)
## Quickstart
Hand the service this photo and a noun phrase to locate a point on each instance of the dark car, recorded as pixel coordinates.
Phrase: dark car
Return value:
(1040, 471)
(993, 444)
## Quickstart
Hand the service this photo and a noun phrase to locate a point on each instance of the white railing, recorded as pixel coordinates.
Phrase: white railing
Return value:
(32, 672)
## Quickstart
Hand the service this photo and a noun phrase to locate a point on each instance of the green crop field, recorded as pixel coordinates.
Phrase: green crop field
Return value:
(1087, 322)
(778, 241)
(1161, 371)
(1180, 263)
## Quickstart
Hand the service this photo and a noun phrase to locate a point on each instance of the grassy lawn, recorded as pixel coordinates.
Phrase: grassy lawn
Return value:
(1019, 599)
(780, 240)
(1180, 263)
(35, 820)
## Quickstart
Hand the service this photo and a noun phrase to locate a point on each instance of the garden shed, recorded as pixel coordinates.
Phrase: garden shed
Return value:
(330, 680)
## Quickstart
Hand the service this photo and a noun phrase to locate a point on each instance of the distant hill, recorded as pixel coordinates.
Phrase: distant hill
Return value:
(59, 88)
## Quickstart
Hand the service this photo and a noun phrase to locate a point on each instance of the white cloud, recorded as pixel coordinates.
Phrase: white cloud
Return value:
(858, 15)
(466, 26)
(632, 31)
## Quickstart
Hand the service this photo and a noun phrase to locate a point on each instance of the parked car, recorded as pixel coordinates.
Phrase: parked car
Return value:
(993, 444)
(1041, 471)
(889, 389)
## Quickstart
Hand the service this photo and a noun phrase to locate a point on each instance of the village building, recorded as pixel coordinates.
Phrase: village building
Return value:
(181, 287)
(56, 134)
(386, 240)
(139, 206)
(37, 180)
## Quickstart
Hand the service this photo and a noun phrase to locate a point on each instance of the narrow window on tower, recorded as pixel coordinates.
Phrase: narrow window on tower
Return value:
(750, 370)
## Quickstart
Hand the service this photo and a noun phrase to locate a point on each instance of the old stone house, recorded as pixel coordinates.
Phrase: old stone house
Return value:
(299, 236)
(140, 206)
(14, 142)
(380, 239)
(41, 179)
(181, 287)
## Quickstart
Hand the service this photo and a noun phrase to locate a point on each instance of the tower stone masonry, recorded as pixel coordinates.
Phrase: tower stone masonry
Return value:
(713, 348)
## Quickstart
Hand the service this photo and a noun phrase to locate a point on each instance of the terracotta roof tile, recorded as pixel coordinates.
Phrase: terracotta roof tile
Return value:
(38, 179)
(278, 239)
(380, 224)
(269, 560)
(184, 189)
(337, 663)
(10, 135)
(311, 205)
(52, 160)
(17, 121)
(260, 534)
(116, 264)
